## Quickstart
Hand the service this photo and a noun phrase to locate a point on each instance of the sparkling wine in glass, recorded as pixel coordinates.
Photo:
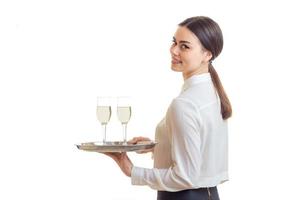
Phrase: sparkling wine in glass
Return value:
(103, 113)
(124, 114)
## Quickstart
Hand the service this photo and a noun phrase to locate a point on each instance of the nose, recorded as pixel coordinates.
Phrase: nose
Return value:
(174, 50)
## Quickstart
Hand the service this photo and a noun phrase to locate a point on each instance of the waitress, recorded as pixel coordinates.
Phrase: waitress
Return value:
(191, 158)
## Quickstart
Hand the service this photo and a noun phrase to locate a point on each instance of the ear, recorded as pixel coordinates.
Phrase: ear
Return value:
(208, 56)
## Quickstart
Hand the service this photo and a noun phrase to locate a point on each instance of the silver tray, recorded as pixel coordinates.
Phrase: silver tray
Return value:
(114, 146)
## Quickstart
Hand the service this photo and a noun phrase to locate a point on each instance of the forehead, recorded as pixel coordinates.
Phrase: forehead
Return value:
(183, 33)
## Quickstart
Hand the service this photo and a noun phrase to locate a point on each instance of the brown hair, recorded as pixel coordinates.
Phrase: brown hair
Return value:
(210, 35)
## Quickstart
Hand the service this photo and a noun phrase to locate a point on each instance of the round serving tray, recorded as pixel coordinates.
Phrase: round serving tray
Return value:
(115, 146)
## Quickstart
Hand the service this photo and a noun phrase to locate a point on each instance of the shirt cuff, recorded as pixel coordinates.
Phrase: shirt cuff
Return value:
(137, 176)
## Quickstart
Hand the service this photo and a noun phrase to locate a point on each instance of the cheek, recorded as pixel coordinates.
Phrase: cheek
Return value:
(188, 59)
(195, 59)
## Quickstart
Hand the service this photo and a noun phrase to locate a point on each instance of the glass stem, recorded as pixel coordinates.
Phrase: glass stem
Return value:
(104, 133)
(124, 133)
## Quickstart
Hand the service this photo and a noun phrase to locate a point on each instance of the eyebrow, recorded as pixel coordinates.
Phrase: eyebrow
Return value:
(181, 41)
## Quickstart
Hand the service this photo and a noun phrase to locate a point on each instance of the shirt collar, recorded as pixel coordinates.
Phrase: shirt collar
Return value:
(196, 79)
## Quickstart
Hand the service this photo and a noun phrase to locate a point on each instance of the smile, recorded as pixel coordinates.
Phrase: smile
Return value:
(175, 61)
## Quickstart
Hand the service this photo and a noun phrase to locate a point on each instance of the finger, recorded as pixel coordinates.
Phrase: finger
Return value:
(140, 152)
(144, 142)
(132, 141)
(147, 139)
(108, 154)
(144, 151)
(139, 139)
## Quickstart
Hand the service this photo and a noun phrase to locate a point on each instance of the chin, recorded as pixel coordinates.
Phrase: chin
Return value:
(176, 68)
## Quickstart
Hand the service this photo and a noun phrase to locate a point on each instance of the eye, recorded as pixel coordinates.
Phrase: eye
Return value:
(173, 43)
(183, 47)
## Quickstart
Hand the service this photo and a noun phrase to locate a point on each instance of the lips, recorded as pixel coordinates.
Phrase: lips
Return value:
(176, 61)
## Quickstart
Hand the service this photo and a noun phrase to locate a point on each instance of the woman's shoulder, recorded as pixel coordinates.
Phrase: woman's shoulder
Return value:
(181, 104)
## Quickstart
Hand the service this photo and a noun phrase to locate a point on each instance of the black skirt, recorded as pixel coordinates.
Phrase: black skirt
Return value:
(193, 194)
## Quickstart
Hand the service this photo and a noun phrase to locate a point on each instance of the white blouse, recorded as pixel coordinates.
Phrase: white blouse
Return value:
(192, 142)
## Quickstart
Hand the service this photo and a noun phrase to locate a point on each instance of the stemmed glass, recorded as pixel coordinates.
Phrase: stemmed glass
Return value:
(103, 113)
(124, 114)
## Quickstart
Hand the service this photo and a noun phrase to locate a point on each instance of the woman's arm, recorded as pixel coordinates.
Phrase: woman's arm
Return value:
(186, 144)
(182, 121)
(123, 161)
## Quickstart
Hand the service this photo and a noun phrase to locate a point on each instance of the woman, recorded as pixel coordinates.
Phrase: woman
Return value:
(190, 159)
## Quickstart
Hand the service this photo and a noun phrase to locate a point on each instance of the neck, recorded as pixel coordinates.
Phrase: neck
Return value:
(201, 70)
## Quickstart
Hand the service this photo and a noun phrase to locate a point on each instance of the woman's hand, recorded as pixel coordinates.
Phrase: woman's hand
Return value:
(141, 140)
(123, 161)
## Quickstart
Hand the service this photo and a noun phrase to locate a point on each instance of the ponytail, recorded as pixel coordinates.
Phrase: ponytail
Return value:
(226, 109)
(211, 38)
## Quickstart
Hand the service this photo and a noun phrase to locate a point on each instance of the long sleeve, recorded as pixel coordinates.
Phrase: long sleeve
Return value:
(192, 150)
(182, 122)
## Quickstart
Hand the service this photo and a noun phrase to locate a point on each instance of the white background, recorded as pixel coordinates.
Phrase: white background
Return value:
(57, 56)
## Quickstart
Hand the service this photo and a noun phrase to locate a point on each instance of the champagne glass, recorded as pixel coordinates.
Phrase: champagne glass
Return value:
(124, 114)
(103, 113)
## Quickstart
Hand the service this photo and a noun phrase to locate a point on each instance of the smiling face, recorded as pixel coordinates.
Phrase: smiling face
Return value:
(188, 54)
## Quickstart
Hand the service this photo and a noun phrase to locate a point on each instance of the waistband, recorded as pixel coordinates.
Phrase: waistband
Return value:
(209, 193)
